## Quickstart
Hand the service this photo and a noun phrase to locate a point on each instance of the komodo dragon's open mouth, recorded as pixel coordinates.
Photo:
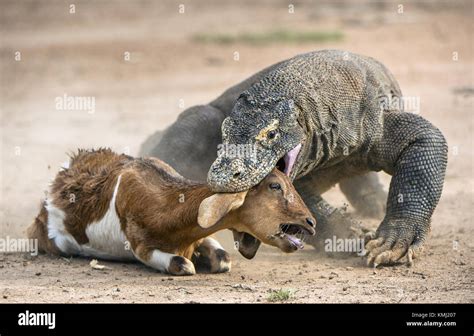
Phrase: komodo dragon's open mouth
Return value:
(287, 162)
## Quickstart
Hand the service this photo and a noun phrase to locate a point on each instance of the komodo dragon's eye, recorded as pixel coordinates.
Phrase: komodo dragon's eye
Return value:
(272, 134)
(269, 132)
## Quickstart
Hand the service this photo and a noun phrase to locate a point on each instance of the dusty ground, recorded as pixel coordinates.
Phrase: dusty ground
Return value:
(82, 54)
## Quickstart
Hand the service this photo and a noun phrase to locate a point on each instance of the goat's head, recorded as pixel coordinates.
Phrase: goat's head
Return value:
(272, 212)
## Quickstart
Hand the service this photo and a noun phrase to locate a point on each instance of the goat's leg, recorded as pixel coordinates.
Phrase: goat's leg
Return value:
(164, 262)
(212, 256)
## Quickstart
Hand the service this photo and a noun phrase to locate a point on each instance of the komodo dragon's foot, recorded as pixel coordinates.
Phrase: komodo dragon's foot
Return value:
(396, 239)
(337, 234)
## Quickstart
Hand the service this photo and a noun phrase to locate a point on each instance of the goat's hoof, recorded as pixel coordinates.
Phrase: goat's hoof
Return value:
(181, 266)
(221, 262)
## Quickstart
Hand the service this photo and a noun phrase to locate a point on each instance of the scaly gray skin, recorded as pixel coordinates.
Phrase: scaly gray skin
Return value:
(333, 112)
(189, 146)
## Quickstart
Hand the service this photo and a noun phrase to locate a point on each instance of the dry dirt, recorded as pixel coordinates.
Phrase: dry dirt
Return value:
(82, 54)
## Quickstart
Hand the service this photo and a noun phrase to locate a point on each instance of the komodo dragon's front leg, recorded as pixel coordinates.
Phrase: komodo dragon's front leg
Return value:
(414, 152)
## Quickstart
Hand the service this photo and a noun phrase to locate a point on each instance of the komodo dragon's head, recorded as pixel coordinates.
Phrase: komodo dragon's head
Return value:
(257, 137)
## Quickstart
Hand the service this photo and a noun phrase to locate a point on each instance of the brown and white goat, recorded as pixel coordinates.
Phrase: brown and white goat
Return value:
(111, 206)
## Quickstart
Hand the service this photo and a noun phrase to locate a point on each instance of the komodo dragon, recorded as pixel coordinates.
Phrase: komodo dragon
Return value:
(328, 115)
(190, 145)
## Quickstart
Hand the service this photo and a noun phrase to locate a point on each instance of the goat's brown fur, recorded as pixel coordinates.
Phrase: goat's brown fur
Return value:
(157, 208)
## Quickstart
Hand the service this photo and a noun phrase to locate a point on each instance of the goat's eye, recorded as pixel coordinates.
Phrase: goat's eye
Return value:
(275, 186)
(272, 134)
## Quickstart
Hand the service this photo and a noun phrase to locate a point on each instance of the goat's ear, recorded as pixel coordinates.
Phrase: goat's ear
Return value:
(213, 208)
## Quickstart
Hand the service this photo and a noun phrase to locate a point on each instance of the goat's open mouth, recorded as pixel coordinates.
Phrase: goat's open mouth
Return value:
(294, 234)
(287, 162)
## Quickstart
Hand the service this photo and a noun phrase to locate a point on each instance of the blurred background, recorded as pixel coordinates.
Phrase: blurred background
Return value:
(137, 64)
(144, 62)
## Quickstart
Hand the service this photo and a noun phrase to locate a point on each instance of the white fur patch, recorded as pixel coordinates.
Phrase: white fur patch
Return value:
(106, 238)
(213, 243)
(158, 260)
(57, 231)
